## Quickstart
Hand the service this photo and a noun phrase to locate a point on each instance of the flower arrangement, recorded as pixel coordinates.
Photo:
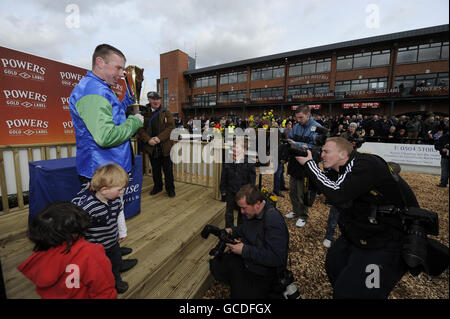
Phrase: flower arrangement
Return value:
(266, 121)
(271, 197)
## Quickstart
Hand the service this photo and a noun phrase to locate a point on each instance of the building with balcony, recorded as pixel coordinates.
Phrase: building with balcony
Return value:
(391, 74)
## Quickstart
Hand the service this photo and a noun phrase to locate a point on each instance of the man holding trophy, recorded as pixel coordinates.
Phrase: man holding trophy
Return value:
(102, 128)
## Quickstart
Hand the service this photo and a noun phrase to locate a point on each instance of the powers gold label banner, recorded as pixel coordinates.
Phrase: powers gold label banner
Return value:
(34, 98)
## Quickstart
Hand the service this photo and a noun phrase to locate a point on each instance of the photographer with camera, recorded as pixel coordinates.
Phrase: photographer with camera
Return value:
(256, 260)
(304, 134)
(383, 229)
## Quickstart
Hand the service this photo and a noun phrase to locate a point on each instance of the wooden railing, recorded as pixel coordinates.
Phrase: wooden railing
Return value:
(14, 165)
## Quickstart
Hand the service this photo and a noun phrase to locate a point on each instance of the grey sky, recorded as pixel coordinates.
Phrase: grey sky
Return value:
(215, 31)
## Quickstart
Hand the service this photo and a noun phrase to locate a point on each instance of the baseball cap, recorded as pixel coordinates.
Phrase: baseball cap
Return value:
(153, 95)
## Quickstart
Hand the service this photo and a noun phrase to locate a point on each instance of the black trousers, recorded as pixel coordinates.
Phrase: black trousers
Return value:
(244, 284)
(115, 257)
(364, 273)
(229, 211)
(162, 163)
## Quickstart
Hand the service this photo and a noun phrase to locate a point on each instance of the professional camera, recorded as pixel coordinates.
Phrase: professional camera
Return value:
(224, 238)
(418, 224)
(285, 285)
(357, 142)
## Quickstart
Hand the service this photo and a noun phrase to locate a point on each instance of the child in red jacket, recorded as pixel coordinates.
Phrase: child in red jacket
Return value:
(63, 264)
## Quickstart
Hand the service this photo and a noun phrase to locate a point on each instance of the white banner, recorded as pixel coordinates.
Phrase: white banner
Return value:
(410, 154)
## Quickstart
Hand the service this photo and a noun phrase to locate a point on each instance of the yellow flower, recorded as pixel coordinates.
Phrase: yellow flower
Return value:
(273, 198)
(265, 126)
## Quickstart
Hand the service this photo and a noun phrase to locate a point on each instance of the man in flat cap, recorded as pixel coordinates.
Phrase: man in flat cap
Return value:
(155, 135)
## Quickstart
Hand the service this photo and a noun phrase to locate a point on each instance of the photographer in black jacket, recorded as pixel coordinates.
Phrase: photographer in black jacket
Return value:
(377, 246)
(441, 145)
(251, 269)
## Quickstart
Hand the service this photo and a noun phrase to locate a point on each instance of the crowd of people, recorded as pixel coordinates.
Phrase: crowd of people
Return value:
(417, 129)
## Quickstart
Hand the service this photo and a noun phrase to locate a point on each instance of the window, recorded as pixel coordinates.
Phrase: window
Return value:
(314, 88)
(233, 96)
(359, 85)
(233, 77)
(344, 62)
(380, 58)
(205, 81)
(204, 100)
(309, 67)
(423, 52)
(323, 65)
(408, 81)
(380, 83)
(267, 73)
(361, 60)
(166, 93)
(295, 69)
(429, 52)
(341, 87)
(275, 93)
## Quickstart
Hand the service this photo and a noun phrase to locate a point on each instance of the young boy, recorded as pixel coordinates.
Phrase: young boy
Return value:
(234, 176)
(64, 264)
(105, 210)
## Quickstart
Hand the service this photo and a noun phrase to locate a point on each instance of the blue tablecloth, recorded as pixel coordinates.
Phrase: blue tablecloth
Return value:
(57, 180)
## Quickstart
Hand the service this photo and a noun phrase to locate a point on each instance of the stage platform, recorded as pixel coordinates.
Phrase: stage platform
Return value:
(165, 238)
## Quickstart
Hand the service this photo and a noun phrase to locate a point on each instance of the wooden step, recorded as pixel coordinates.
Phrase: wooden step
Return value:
(186, 274)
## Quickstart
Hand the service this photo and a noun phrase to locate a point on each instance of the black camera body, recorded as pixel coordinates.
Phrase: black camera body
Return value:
(224, 239)
(418, 223)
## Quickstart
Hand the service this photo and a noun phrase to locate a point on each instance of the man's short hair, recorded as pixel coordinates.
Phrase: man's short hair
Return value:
(110, 175)
(341, 143)
(104, 51)
(251, 193)
(302, 108)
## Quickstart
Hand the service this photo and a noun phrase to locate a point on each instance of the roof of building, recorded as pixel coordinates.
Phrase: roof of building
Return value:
(330, 47)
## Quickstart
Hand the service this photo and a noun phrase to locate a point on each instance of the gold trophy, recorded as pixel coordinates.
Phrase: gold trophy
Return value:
(134, 76)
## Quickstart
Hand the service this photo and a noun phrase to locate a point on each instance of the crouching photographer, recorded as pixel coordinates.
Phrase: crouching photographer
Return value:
(256, 262)
(383, 229)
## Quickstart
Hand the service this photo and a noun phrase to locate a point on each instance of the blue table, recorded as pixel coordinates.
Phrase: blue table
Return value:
(57, 180)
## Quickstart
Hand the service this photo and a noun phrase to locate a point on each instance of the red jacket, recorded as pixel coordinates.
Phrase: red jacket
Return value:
(84, 273)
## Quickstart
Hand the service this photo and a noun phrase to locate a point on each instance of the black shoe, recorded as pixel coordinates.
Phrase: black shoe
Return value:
(155, 191)
(284, 189)
(125, 251)
(127, 264)
(440, 185)
(171, 193)
(121, 287)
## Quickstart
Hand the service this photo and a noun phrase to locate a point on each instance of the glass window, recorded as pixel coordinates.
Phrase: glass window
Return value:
(359, 85)
(322, 88)
(232, 77)
(323, 66)
(278, 72)
(293, 90)
(242, 77)
(309, 67)
(405, 55)
(444, 53)
(429, 53)
(224, 79)
(344, 63)
(266, 73)
(380, 59)
(295, 69)
(212, 81)
(361, 61)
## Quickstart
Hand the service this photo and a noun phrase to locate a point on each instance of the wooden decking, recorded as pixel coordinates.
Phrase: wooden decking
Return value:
(165, 238)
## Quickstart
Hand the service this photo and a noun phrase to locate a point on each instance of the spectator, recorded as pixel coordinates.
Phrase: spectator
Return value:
(442, 145)
(414, 127)
(57, 232)
(234, 175)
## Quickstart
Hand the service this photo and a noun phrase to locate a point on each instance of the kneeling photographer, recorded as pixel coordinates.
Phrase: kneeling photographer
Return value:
(384, 231)
(253, 266)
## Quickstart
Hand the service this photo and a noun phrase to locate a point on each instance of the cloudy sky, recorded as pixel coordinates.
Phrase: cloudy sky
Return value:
(215, 31)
